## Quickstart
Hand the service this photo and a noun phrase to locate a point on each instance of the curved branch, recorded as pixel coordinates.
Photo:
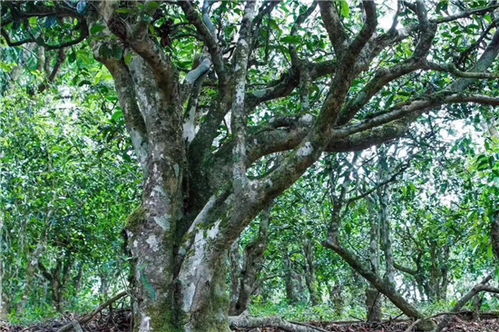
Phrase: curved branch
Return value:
(367, 31)
(414, 107)
(288, 82)
(334, 27)
(486, 59)
(207, 35)
(480, 11)
(134, 121)
(383, 287)
(83, 33)
(480, 287)
(452, 69)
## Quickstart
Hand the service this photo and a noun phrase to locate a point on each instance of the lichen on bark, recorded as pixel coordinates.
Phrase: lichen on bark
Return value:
(137, 217)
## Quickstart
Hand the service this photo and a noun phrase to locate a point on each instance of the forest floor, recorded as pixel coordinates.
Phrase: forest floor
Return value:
(119, 321)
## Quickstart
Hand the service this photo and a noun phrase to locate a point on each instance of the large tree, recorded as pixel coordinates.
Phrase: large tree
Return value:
(211, 91)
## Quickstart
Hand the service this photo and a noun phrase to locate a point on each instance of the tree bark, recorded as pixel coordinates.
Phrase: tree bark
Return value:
(245, 280)
(292, 281)
(336, 295)
(373, 305)
(373, 297)
(310, 275)
(495, 234)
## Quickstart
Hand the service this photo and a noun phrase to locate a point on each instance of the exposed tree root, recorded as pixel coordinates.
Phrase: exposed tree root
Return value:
(247, 322)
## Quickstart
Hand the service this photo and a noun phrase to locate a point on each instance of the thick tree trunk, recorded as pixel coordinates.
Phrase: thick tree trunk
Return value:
(179, 271)
(187, 296)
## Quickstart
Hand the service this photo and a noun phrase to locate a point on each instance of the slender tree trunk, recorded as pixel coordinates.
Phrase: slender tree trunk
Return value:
(495, 234)
(3, 311)
(337, 299)
(292, 282)
(236, 262)
(373, 297)
(252, 262)
(310, 275)
(373, 304)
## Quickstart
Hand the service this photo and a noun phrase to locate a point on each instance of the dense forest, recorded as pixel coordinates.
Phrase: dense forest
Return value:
(211, 166)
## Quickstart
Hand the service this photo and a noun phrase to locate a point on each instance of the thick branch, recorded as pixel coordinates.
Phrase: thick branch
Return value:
(414, 107)
(238, 114)
(334, 27)
(135, 123)
(405, 269)
(161, 65)
(485, 61)
(371, 21)
(207, 35)
(288, 82)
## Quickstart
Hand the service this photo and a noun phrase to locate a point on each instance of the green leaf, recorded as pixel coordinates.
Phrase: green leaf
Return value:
(128, 59)
(33, 22)
(117, 116)
(344, 9)
(151, 7)
(96, 29)
(291, 39)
